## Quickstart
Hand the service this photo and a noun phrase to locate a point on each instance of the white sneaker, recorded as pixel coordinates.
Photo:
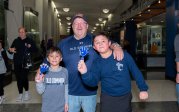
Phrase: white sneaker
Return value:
(26, 96)
(19, 98)
(4, 98)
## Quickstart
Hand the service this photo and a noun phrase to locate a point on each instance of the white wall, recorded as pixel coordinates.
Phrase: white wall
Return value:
(14, 19)
(48, 22)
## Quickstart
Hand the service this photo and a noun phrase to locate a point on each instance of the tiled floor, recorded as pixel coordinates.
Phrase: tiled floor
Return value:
(162, 98)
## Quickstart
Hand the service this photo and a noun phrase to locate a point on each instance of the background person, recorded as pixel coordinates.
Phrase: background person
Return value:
(20, 47)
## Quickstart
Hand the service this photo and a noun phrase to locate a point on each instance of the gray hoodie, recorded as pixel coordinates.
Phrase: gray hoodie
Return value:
(54, 90)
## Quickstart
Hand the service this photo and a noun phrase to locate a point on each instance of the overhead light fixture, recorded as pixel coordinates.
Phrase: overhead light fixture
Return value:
(159, 1)
(68, 23)
(100, 19)
(97, 24)
(58, 15)
(66, 9)
(105, 11)
(68, 18)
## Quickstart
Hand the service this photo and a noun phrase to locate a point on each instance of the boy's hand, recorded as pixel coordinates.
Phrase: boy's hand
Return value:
(66, 107)
(177, 78)
(39, 78)
(82, 67)
(143, 95)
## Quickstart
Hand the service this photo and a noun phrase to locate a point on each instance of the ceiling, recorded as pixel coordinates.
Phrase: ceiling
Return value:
(93, 10)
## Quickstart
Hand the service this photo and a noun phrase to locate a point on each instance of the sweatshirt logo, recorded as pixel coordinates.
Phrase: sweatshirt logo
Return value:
(57, 81)
(119, 66)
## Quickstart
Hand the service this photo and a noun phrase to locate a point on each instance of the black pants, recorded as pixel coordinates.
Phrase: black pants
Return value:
(2, 84)
(22, 78)
(116, 104)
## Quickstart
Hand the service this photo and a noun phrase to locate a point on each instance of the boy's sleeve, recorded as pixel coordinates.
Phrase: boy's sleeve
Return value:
(92, 77)
(10, 56)
(40, 87)
(66, 88)
(136, 73)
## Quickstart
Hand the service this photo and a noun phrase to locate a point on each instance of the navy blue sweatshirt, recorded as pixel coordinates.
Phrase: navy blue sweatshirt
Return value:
(114, 75)
(71, 56)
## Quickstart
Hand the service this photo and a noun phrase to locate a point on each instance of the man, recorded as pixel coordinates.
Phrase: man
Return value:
(81, 95)
(20, 47)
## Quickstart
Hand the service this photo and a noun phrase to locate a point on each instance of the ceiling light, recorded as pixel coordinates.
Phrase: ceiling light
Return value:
(97, 24)
(58, 15)
(100, 19)
(159, 1)
(68, 23)
(68, 18)
(66, 9)
(105, 11)
(101, 24)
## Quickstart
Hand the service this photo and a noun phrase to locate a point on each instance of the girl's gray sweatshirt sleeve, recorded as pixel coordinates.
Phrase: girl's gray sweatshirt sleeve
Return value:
(40, 87)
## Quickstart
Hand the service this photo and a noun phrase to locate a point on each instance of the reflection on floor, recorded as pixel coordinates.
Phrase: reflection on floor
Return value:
(162, 98)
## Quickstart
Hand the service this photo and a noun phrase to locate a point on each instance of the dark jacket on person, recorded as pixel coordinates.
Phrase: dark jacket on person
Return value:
(22, 49)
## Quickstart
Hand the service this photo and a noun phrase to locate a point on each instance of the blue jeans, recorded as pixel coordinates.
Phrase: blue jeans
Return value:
(177, 91)
(87, 103)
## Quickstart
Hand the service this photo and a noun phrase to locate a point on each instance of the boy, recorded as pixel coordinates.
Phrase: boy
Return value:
(114, 76)
(54, 85)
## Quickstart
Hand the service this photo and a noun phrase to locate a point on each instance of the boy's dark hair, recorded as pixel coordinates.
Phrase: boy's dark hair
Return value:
(53, 49)
(102, 34)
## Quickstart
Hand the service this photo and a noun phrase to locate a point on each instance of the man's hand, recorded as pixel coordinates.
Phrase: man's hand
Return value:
(117, 52)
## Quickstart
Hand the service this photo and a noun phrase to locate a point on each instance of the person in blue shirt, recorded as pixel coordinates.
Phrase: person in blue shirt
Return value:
(81, 95)
(114, 76)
